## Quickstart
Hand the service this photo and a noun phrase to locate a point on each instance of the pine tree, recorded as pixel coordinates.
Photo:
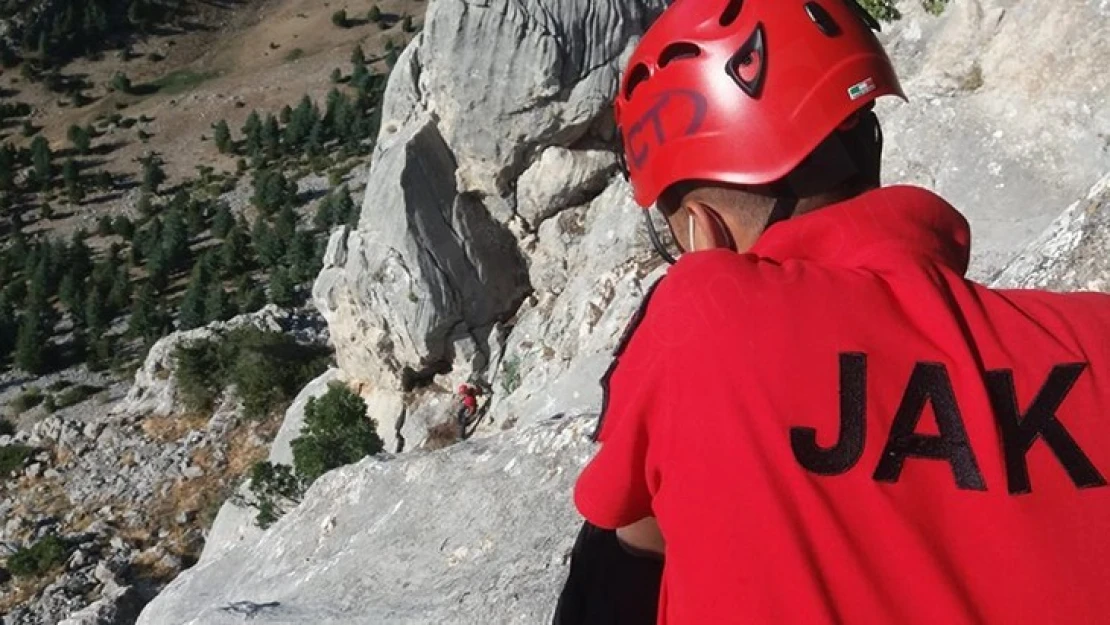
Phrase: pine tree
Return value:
(281, 288)
(144, 313)
(71, 174)
(358, 57)
(124, 227)
(96, 313)
(222, 137)
(222, 221)
(325, 213)
(40, 159)
(374, 15)
(270, 135)
(300, 257)
(31, 342)
(153, 174)
(121, 83)
(119, 297)
(235, 252)
(266, 245)
(80, 139)
(285, 226)
(252, 133)
(216, 304)
(191, 314)
(175, 240)
(336, 75)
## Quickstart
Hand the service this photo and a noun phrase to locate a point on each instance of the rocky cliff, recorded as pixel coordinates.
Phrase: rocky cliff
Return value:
(497, 244)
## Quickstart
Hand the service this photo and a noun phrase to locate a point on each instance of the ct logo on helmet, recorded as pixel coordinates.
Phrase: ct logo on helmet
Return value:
(669, 105)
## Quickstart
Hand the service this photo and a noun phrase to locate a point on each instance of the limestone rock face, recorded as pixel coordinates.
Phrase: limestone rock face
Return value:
(422, 538)
(1007, 116)
(1073, 254)
(481, 146)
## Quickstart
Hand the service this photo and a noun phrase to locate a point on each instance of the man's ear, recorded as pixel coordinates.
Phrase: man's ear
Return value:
(709, 230)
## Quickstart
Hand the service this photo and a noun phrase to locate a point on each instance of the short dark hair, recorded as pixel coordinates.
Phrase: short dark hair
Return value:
(847, 163)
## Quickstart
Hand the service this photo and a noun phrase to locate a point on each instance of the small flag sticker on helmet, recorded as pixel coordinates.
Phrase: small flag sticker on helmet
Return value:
(859, 90)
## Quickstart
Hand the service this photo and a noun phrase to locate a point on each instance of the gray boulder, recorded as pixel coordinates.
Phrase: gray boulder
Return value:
(442, 537)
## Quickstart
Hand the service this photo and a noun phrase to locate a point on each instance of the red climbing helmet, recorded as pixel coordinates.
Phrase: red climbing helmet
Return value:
(742, 91)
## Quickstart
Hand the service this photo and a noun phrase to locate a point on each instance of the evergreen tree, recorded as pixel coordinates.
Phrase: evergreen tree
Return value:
(266, 245)
(31, 341)
(336, 75)
(340, 19)
(80, 139)
(301, 257)
(252, 133)
(79, 257)
(71, 174)
(40, 159)
(281, 288)
(217, 307)
(70, 293)
(153, 174)
(9, 326)
(358, 57)
(270, 136)
(104, 226)
(235, 251)
(119, 297)
(325, 213)
(124, 227)
(96, 313)
(144, 313)
(374, 15)
(222, 221)
(121, 83)
(286, 114)
(175, 240)
(286, 225)
(222, 137)
(192, 314)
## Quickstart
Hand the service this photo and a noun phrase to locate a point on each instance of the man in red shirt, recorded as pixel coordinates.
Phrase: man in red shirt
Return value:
(817, 418)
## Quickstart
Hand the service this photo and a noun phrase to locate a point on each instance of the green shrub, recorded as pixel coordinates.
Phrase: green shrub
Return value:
(934, 7)
(76, 395)
(39, 558)
(28, 400)
(511, 375)
(199, 378)
(273, 486)
(294, 54)
(336, 432)
(883, 10)
(12, 458)
(267, 369)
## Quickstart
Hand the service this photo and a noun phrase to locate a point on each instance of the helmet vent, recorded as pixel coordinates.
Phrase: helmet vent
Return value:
(731, 12)
(677, 52)
(821, 17)
(748, 67)
(636, 77)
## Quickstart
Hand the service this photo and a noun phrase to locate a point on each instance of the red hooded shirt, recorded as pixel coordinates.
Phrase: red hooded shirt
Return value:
(838, 427)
